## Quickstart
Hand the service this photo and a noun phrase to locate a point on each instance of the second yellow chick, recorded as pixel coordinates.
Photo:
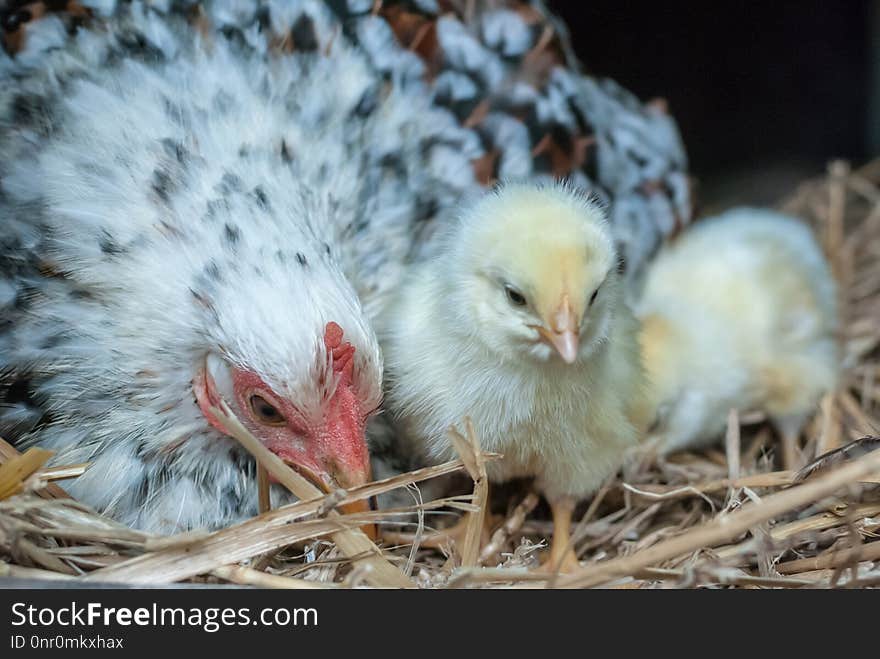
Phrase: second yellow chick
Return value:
(740, 312)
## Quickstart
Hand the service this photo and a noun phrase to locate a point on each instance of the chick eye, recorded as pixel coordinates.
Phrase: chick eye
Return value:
(515, 297)
(594, 296)
(265, 412)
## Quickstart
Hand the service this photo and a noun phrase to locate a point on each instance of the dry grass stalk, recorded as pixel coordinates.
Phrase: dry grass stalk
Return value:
(65, 472)
(17, 572)
(726, 577)
(832, 559)
(168, 559)
(511, 525)
(352, 541)
(15, 471)
(726, 528)
(264, 503)
(50, 491)
(246, 576)
(669, 493)
(783, 533)
(505, 576)
(468, 449)
(265, 533)
(839, 456)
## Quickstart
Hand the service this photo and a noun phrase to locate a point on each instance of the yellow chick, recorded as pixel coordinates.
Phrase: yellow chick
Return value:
(519, 323)
(740, 312)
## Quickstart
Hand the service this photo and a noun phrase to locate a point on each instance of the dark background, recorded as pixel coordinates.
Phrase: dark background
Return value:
(764, 92)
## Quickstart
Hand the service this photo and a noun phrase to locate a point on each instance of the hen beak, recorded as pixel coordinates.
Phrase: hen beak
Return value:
(358, 507)
(327, 483)
(563, 333)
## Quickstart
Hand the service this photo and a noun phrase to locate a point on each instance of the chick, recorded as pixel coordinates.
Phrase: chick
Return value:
(519, 323)
(739, 312)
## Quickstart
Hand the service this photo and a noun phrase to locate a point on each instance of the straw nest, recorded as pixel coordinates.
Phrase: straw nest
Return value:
(726, 517)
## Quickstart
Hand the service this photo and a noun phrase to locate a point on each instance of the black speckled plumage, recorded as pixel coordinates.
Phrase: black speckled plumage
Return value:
(161, 161)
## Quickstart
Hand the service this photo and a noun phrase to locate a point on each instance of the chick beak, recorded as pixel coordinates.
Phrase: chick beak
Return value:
(563, 333)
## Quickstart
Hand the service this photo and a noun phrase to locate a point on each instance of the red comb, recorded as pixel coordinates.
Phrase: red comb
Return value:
(343, 353)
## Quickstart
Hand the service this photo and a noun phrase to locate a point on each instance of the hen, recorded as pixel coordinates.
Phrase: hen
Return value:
(189, 211)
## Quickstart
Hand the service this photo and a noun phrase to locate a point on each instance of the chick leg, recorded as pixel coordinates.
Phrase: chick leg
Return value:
(790, 458)
(789, 436)
(562, 557)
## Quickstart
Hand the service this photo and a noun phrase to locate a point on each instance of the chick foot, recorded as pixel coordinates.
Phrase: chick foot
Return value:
(562, 558)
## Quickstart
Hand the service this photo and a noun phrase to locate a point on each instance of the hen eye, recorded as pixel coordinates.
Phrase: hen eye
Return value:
(515, 297)
(594, 296)
(265, 412)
